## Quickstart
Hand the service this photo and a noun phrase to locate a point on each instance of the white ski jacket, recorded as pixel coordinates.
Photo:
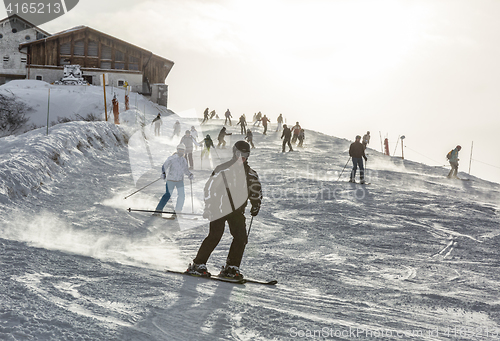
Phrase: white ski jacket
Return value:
(175, 167)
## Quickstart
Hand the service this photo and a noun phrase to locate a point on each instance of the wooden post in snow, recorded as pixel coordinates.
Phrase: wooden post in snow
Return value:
(105, 104)
(48, 111)
(470, 161)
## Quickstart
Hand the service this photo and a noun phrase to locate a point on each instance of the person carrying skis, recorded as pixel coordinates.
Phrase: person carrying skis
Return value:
(265, 121)
(296, 131)
(173, 170)
(177, 128)
(301, 137)
(357, 152)
(453, 159)
(157, 122)
(239, 184)
(221, 136)
(243, 122)
(228, 117)
(249, 138)
(287, 134)
(208, 144)
(188, 142)
(366, 139)
(280, 122)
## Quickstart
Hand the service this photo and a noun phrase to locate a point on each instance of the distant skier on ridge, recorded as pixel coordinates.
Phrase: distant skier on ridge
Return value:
(287, 134)
(453, 159)
(357, 152)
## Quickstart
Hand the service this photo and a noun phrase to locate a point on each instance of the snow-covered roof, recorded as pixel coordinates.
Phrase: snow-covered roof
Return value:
(17, 17)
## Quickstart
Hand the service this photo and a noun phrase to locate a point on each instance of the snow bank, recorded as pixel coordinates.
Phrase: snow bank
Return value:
(31, 160)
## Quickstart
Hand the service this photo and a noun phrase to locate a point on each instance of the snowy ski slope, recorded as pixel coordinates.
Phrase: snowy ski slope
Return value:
(411, 256)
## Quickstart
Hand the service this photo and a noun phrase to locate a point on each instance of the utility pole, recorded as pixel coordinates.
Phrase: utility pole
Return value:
(470, 161)
(105, 104)
(402, 148)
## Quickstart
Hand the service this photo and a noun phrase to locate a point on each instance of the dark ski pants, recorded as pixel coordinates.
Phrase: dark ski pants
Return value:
(357, 161)
(285, 142)
(237, 227)
(265, 129)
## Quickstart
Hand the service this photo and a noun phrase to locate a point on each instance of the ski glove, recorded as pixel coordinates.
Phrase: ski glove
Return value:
(255, 210)
(191, 176)
(163, 176)
(366, 159)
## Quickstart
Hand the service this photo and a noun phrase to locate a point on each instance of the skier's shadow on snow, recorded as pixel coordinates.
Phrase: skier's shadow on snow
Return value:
(193, 312)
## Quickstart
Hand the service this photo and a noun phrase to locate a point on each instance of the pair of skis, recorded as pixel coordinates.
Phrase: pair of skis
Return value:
(225, 279)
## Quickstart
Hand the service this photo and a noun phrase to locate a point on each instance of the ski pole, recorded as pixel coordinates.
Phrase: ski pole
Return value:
(249, 228)
(192, 200)
(344, 168)
(154, 211)
(142, 188)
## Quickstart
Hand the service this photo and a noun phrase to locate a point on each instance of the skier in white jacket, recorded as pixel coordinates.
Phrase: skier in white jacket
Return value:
(173, 170)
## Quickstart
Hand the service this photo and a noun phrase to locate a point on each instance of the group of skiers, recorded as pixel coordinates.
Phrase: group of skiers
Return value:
(237, 182)
(291, 136)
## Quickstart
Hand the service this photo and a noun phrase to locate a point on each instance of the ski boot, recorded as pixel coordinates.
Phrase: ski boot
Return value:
(198, 270)
(231, 271)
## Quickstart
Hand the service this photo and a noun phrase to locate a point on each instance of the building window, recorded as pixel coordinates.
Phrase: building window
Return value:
(65, 61)
(105, 65)
(121, 82)
(27, 38)
(5, 58)
(23, 59)
(79, 48)
(119, 56)
(1, 36)
(66, 48)
(14, 30)
(134, 67)
(93, 49)
(39, 78)
(120, 66)
(106, 52)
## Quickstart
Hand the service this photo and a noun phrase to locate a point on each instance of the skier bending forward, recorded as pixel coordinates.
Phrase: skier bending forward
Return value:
(226, 195)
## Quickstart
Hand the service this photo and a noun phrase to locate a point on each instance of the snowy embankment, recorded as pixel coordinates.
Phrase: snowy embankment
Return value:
(412, 256)
(29, 161)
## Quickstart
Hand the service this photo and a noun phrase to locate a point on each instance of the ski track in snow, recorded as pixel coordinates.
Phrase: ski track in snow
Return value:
(412, 252)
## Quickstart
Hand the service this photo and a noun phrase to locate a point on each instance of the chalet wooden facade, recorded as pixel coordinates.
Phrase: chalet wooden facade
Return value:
(96, 53)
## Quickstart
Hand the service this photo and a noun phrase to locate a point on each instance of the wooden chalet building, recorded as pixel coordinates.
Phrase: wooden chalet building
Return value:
(98, 53)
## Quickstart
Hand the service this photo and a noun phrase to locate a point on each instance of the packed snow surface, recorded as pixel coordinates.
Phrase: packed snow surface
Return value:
(413, 255)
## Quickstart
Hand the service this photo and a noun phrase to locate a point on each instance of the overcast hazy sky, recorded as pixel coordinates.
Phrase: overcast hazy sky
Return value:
(426, 69)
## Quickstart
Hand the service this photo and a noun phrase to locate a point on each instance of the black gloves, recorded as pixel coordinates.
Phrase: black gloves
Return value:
(255, 210)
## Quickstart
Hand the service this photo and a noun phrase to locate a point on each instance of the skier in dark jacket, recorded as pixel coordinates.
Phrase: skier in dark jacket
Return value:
(287, 134)
(239, 184)
(265, 120)
(249, 138)
(243, 122)
(357, 152)
(208, 144)
(221, 136)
